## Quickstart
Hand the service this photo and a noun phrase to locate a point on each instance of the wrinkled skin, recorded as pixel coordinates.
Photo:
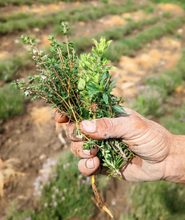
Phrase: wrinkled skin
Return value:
(151, 143)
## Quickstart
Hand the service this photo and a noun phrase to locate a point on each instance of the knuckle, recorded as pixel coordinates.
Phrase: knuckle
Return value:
(106, 127)
(137, 122)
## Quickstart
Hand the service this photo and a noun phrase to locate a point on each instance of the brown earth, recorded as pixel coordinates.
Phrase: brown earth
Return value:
(32, 137)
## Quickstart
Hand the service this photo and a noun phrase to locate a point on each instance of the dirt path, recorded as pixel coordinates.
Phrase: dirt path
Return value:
(156, 56)
(31, 138)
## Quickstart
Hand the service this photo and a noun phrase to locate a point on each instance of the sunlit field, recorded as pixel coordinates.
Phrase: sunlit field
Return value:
(39, 176)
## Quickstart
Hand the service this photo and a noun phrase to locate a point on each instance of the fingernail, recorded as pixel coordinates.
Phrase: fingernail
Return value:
(87, 152)
(90, 163)
(89, 126)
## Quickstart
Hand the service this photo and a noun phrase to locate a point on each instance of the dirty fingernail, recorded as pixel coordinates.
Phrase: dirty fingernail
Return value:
(75, 135)
(89, 126)
(90, 163)
(87, 152)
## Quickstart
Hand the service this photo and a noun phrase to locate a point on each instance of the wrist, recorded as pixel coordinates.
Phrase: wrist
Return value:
(175, 162)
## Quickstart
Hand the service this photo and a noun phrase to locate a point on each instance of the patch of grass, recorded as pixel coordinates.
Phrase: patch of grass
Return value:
(149, 10)
(82, 43)
(12, 102)
(95, 13)
(30, 2)
(17, 16)
(42, 21)
(115, 33)
(64, 194)
(139, 105)
(150, 102)
(156, 201)
(176, 123)
(177, 2)
(167, 14)
(9, 68)
(127, 46)
(167, 79)
(159, 86)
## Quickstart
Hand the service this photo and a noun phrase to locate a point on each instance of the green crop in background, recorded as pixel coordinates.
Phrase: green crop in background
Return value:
(11, 102)
(178, 2)
(62, 191)
(156, 201)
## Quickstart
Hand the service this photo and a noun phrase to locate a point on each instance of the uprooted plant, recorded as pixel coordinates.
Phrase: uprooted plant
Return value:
(79, 88)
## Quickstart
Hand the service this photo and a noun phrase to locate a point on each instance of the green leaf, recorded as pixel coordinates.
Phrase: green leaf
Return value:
(88, 64)
(109, 42)
(105, 98)
(93, 90)
(119, 110)
(112, 68)
(81, 84)
(95, 42)
(85, 113)
(95, 51)
(50, 37)
(96, 77)
(111, 88)
(103, 78)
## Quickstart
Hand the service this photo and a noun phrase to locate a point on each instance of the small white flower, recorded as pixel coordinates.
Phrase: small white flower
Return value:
(45, 204)
(34, 51)
(57, 190)
(65, 190)
(33, 57)
(80, 176)
(53, 163)
(45, 55)
(43, 77)
(41, 51)
(26, 93)
(63, 198)
(55, 204)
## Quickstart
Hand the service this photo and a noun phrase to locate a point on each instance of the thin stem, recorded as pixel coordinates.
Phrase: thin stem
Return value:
(115, 149)
(58, 95)
(61, 83)
(60, 56)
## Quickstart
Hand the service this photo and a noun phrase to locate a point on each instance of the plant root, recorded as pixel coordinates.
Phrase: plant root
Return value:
(98, 197)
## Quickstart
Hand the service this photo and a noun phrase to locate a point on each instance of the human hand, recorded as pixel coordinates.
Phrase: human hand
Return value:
(150, 142)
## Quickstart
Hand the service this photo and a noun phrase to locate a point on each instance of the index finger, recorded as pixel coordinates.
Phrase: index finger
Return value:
(60, 118)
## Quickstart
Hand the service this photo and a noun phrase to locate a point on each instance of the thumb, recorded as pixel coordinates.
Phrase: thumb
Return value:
(106, 128)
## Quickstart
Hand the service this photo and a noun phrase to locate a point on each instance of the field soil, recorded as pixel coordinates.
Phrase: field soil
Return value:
(32, 137)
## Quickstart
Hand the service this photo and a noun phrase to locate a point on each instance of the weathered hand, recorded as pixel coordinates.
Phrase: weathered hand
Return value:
(150, 142)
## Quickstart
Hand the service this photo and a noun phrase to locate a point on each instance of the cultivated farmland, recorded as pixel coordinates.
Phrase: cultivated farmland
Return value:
(39, 178)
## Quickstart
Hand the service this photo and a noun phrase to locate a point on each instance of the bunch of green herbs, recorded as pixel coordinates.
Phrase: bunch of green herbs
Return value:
(79, 88)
